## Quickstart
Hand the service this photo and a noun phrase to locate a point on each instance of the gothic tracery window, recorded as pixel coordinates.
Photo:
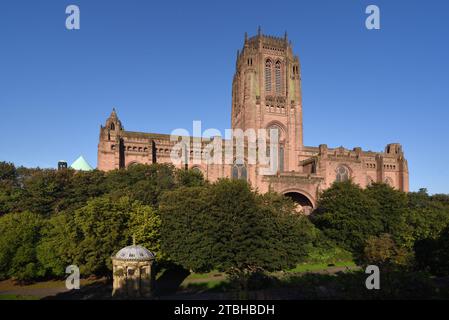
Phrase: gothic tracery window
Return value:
(342, 174)
(276, 129)
(239, 171)
(277, 70)
(280, 147)
(268, 75)
(281, 158)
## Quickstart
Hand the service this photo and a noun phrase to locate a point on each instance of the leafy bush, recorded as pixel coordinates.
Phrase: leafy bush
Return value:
(19, 232)
(228, 227)
(383, 252)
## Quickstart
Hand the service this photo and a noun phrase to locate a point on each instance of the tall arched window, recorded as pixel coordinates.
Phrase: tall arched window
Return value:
(277, 70)
(276, 129)
(280, 148)
(342, 174)
(239, 171)
(281, 158)
(243, 173)
(235, 172)
(268, 75)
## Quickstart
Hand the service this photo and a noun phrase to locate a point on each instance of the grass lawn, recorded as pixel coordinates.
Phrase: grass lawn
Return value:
(17, 297)
(215, 279)
(11, 290)
(208, 280)
(309, 267)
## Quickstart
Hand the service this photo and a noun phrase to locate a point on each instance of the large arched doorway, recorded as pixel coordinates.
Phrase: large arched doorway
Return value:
(303, 202)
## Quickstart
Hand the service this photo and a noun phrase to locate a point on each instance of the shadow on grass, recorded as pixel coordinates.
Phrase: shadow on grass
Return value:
(209, 286)
(99, 290)
(351, 286)
(170, 281)
(17, 297)
(292, 286)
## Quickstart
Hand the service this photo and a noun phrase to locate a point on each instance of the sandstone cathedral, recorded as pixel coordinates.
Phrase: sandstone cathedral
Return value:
(266, 94)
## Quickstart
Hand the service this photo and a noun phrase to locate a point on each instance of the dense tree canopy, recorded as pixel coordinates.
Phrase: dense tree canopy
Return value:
(80, 218)
(357, 219)
(19, 233)
(348, 215)
(51, 219)
(228, 227)
(433, 254)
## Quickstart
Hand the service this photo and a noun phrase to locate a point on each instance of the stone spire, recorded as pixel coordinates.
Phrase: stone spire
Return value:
(113, 122)
(113, 114)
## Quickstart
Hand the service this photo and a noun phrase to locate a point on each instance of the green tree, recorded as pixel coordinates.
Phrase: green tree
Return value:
(427, 216)
(81, 187)
(385, 253)
(433, 254)
(44, 190)
(9, 193)
(19, 233)
(145, 225)
(189, 178)
(347, 215)
(8, 173)
(102, 227)
(228, 227)
(58, 247)
(144, 183)
(292, 235)
(393, 207)
(184, 226)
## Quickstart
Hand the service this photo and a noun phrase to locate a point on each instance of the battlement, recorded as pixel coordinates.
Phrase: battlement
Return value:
(267, 41)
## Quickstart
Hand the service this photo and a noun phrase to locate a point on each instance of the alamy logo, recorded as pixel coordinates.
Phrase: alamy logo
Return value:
(240, 147)
(73, 20)
(373, 281)
(372, 22)
(73, 280)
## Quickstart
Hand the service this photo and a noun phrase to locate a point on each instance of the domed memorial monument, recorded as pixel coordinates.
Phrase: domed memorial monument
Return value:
(132, 272)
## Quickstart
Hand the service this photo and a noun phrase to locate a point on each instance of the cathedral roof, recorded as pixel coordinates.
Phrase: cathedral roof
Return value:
(81, 164)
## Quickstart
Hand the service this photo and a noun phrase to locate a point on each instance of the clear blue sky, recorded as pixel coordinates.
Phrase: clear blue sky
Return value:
(163, 64)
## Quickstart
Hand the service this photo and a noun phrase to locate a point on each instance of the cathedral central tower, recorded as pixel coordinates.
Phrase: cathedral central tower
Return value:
(266, 93)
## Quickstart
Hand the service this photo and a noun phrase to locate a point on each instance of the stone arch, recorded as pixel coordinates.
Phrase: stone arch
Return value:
(283, 130)
(132, 163)
(339, 174)
(303, 199)
(239, 170)
(197, 168)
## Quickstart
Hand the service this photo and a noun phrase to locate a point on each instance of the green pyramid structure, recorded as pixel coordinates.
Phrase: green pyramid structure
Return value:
(81, 164)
